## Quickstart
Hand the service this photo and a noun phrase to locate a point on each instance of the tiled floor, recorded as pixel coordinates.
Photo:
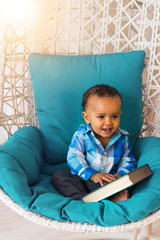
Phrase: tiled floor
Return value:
(13, 226)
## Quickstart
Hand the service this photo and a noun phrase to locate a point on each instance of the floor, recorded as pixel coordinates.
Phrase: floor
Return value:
(13, 226)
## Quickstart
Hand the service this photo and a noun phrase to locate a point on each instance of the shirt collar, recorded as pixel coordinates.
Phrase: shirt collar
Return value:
(116, 136)
(87, 127)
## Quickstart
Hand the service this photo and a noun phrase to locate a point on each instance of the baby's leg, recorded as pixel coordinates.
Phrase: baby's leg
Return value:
(68, 184)
(120, 196)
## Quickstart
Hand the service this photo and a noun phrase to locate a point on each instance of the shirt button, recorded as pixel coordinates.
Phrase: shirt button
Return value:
(83, 175)
(105, 153)
(102, 168)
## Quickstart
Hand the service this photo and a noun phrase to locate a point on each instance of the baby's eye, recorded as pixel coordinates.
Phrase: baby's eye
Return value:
(115, 116)
(101, 117)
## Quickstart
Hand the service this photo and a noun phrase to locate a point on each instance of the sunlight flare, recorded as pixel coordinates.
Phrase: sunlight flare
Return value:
(17, 10)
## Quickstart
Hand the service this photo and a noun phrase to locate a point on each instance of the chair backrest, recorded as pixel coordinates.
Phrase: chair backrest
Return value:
(60, 81)
(72, 28)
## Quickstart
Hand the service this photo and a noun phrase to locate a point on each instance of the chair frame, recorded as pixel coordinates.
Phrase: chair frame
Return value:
(138, 230)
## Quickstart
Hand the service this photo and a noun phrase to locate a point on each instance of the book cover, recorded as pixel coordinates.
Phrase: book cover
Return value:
(119, 184)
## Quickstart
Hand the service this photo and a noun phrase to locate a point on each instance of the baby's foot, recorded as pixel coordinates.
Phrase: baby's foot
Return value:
(120, 196)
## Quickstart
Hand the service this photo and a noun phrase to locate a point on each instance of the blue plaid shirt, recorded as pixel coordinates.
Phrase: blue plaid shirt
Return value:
(87, 156)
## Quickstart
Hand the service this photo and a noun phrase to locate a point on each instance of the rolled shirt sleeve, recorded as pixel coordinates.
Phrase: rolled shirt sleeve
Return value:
(76, 158)
(127, 162)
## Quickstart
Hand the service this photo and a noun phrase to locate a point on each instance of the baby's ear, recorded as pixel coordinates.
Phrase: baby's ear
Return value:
(86, 117)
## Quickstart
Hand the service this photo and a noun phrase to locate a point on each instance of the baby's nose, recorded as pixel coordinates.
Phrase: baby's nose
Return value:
(108, 121)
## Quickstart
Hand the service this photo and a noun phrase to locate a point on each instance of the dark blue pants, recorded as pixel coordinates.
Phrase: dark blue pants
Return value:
(70, 185)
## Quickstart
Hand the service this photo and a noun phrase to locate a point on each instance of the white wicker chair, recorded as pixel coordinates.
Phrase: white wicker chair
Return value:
(78, 27)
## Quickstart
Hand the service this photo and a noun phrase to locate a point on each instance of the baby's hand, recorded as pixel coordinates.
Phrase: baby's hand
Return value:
(102, 178)
(117, 175)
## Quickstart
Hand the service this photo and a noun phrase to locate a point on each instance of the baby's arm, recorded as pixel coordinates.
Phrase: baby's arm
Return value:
(128, 161)
(76, 158)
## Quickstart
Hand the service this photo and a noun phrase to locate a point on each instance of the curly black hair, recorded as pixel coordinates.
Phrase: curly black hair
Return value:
(100, 90)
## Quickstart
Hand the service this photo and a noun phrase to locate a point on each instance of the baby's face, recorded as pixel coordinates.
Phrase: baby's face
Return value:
(103, 114)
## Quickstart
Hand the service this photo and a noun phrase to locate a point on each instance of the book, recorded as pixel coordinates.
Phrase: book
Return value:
(118, 184)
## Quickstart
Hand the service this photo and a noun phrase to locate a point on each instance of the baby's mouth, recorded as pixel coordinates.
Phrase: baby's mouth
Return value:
(107, 130)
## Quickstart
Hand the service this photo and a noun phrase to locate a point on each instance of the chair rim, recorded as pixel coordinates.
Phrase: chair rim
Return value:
(74, 226)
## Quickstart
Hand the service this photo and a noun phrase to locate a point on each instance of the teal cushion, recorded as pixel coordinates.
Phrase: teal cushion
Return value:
(145, 196)
(26, 154)
(60, 81)
(26, 159)
(27, 180)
